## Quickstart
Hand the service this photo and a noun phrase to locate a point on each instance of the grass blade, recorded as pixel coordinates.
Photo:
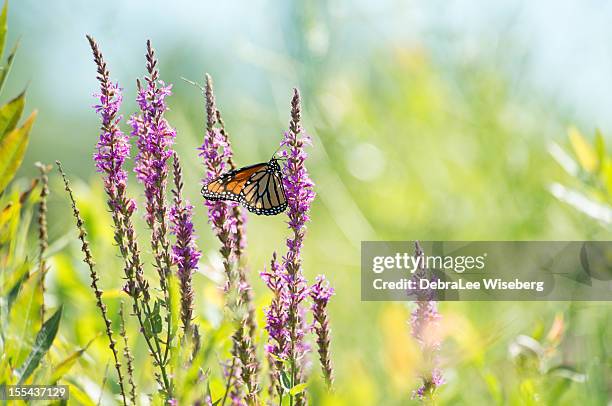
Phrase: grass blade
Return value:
(6, 69)
(12, 149)
(3, 27)
(43, 342)
(10, 114)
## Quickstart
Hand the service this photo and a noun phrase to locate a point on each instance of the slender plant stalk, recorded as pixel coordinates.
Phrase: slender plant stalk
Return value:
(127, 354)
(103, 384)
(184, 279)
(240, 243)
(298, 189)
(185, 252)
(228, 383)
(225, 223)
(152, 159)
(276, 324)
(43, 236)
(425, 317)
(94, 280)
(320, 293)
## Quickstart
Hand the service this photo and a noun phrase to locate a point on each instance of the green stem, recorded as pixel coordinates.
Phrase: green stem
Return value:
(229, 382)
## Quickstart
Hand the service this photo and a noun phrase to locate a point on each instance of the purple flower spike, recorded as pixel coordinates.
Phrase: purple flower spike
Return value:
(216, 152)
(320, 294)
(424, 321)
(184, 252)
(113, 147)
(297, 183)
(276, 313)
(155, 138)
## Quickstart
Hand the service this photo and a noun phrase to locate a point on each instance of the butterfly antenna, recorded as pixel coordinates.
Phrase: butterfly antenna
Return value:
(276, 152)
(193, 83)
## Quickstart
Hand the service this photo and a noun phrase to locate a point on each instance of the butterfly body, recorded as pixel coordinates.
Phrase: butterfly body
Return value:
(257, 187)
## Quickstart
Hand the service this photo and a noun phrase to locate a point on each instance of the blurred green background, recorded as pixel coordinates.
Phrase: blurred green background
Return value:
(430, 120)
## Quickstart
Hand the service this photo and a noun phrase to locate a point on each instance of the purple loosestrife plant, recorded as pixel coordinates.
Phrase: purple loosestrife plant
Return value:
(226, 221)
(424, 321)
(112, 151)
(184, 252)
(216, 152)
(299, 192)
(228, 218)
(320, 293)
(155, 138)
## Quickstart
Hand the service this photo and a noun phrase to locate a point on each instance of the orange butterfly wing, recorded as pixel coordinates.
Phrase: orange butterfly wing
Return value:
(229, 185)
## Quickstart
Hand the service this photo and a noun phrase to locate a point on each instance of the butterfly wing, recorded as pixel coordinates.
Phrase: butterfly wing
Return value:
(229, 185)
(263, 193)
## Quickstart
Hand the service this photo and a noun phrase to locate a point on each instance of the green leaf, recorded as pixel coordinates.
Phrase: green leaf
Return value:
(153, 324)
(10, 114)
(285, 381)
(297, 389)
(494, 387)
(209, 394)
(174, 293)
(600, 150)
(9, 220)
(585, 153)
(6, 69)
(22, 275)
(3, 27)
(156, 319)
(12, 150)
(78, 396)
(42, 343)
(64, 367)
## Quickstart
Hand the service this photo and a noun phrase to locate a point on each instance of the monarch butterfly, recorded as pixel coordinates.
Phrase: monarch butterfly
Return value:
(258, 187)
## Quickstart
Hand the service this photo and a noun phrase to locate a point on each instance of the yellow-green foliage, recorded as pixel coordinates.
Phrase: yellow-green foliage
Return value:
(25, 338)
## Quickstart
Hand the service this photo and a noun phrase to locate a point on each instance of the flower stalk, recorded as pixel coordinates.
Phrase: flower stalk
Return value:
(184, 252)
(43, 236)
(155, 138)
(424, 320)
(224, 217)
(240, 242)
(88, 259)
(127, 354)
(299, 192)
(276, 324)
(320, 294)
